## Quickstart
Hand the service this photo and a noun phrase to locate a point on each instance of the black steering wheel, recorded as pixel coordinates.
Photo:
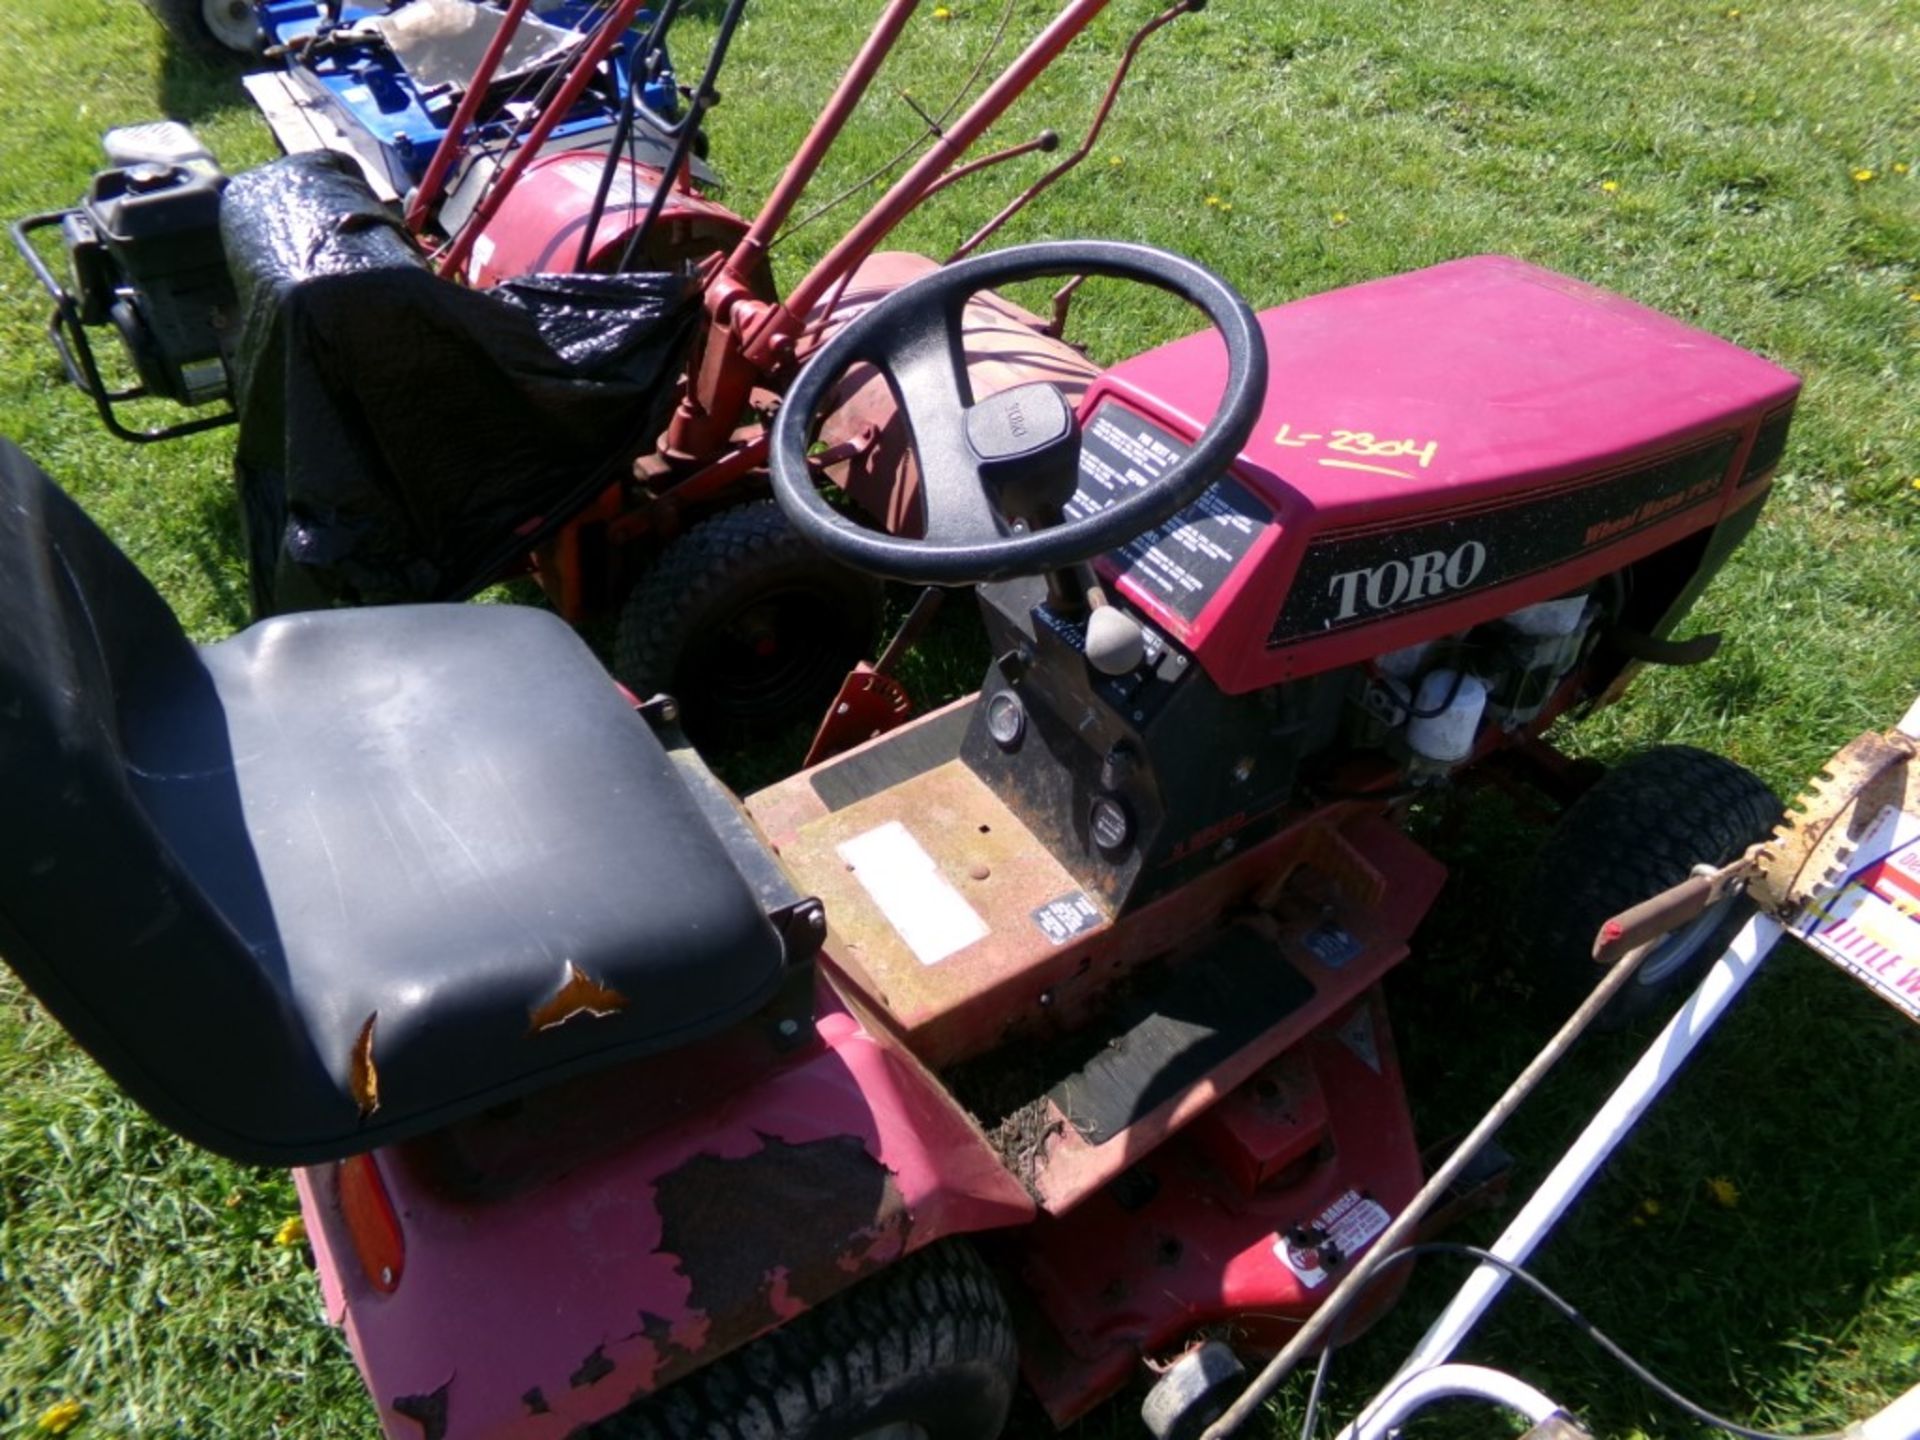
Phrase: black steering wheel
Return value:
(994, 473)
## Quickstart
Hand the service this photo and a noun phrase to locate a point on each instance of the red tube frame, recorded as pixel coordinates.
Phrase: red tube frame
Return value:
(618, 19)
(449, 148)
(747, 339)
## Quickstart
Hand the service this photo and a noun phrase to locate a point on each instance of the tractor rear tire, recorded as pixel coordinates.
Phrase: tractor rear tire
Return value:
(747, 625)
(923, 1350)
(219, 29)
(1640, 829)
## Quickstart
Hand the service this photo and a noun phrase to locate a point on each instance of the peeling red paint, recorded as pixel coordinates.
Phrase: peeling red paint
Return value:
(428, 1411)
(595, 1368)
(764, 1236)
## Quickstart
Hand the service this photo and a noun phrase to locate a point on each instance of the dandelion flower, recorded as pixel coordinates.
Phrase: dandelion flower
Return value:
(1899, 167)
(941, 12)
(292, 1231)
(1723, 1192)
(1862, 175)
(1610, 186)
(59, 1418)
(1213, 202)
(1116, 161)
(1339, 217)
(1733, 14)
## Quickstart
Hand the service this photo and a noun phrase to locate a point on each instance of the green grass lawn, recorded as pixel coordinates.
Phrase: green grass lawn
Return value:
(1752, 169)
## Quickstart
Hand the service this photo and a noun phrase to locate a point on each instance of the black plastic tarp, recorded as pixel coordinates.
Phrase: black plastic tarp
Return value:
(403, 437)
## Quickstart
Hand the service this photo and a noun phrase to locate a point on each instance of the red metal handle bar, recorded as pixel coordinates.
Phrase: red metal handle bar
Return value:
(806, 160)
(910, 188)
(604, 39)
(449, 148)
(1026, 197)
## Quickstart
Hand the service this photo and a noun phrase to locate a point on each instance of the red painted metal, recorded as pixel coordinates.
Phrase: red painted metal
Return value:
(1073, 1169)
(527, 1315)
(448, 151)
(869, 704)
(1521, 382)
(1136, 1269)
(611, 28)
(538, 223)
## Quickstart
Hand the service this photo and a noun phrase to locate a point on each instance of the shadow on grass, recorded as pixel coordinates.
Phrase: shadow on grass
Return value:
(216, 539)
(195, 87)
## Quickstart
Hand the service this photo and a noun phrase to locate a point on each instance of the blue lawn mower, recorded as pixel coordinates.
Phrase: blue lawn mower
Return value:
(382, 81)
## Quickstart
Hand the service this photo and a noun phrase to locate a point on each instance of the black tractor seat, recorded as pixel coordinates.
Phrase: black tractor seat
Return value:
(349, 875)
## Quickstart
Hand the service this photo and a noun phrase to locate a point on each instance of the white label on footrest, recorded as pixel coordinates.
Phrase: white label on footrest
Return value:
(1869, 924)
(924, 909)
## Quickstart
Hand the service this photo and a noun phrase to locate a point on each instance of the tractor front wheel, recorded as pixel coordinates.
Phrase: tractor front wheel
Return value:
(211, 27)
(1640, 829)
(747, 625)
(924, 1350)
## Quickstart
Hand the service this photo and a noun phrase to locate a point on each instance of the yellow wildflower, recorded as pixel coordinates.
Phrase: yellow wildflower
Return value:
(1862, 175)
(1733, 14)
(941, 12)
(1339, 217)
(61, 1417)
(1723, 1192)
(1213, 202)
(1116, 161)
(292, 1231)
(1610, 186)
(1899, 167)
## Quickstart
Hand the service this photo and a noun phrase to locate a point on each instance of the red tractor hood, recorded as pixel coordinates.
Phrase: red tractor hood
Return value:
(1436, 449)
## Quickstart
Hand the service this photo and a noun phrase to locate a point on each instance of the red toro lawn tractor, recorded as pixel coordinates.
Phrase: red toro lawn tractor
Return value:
(1040, 1035)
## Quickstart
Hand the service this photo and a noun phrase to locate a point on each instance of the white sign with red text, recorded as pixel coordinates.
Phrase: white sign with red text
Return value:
(1869, 925)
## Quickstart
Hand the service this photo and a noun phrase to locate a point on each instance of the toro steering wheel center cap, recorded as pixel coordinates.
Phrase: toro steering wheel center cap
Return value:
(996, 473)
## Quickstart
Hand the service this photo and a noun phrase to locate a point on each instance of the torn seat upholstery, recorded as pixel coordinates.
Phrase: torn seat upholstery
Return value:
(349, 875)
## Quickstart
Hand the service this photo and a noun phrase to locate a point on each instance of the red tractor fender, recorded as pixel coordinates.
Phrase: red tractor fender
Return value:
(530, 1314)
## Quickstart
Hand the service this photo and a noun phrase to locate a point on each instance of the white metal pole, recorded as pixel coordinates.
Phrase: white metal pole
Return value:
(1899, 1421)
(1603, 1134)
(1909, 725)
(1450, 1382)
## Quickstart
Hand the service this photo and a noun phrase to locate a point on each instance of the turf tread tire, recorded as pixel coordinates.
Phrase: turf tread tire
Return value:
(690, 582)
(1640, 829)
(928, 1340)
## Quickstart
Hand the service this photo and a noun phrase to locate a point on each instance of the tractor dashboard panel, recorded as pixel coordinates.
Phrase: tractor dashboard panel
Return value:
(1186, 562)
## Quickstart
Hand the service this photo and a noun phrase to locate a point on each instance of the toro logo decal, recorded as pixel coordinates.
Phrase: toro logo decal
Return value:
(1347, 579)
(1428, 575)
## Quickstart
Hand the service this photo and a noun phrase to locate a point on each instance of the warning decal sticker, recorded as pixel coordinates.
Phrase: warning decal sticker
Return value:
(1335, 1235)
(1870, 924)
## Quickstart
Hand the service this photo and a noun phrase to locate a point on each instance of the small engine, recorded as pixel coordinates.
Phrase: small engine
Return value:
(144, 246)
(1430, 700)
